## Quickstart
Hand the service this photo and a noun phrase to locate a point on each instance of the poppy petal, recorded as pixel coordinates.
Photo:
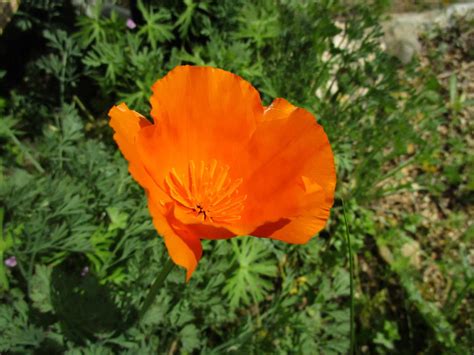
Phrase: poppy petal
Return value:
(127, 124)
(208, 112)
(184, 246)
(182, 235)
(290, 176)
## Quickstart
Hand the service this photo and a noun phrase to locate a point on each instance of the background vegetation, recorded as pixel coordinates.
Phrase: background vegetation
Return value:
(78, 226)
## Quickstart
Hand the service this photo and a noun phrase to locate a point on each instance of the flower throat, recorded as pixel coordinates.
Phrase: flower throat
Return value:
(207, 192)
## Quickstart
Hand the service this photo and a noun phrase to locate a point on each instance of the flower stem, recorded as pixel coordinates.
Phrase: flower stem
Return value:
(24, 150)
(351, 282)
(160, 279)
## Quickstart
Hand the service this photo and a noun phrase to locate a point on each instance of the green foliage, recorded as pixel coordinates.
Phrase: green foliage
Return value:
(190, 21)
(40, 288)
(248, 283)
(61, 65)
(157, 28)
(85, 245)
(388, 336)
(96, 28)
(258, 23)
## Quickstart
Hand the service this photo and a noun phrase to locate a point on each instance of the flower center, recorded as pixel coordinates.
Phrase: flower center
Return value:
(207, 192)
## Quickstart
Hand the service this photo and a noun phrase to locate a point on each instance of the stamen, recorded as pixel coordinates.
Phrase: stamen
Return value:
(207, 192)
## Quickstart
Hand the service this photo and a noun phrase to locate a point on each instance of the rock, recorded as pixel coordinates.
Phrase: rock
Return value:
(412, 251)
(402, 42)
(88, 8)
(7, 10)
(402, 30)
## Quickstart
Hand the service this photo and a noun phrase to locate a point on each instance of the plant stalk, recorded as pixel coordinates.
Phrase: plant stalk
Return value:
(351, 282)
(155, 287)
(25, 151)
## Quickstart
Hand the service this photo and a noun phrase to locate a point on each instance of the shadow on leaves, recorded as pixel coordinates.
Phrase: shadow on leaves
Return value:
(85, 307)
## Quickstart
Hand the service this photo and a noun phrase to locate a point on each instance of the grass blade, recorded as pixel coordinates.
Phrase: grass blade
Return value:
(351, 281)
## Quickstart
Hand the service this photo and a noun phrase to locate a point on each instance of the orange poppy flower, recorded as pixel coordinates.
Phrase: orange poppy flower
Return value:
(216, 164)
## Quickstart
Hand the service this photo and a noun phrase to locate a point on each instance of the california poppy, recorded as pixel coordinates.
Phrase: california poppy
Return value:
(216, 164)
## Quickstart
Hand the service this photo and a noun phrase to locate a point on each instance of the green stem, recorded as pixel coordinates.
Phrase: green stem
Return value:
(62, 78)
(351, 281)
(453, 308)
(81, 105)
(25, 151)
(396, 170)
(160, 279)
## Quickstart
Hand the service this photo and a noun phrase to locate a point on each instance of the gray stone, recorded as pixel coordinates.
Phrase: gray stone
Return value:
(402, 30)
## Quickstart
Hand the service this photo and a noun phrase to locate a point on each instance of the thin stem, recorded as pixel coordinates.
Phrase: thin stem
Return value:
(351, 281)
(61, 135)
(397, 169)
(62, 78)
(25, 151)
(453, 308)
(160, 279)
(81, 105)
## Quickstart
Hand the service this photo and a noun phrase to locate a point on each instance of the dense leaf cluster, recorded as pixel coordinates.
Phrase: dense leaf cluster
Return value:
(77, 224)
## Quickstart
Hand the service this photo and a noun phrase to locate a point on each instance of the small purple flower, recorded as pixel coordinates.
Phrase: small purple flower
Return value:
(131, 24)
(85, 271)
(11, 261)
